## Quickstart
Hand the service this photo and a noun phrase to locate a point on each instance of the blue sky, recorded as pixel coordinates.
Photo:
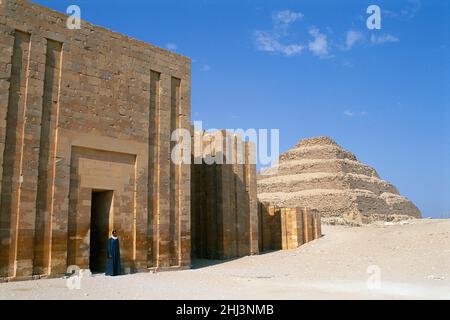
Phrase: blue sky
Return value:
(311, 68)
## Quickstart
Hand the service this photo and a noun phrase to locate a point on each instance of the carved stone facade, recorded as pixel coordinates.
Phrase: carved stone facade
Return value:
(85, 136)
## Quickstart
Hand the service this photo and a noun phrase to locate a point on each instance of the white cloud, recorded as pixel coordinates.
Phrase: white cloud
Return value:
(286, 17)
(353, 37)
(385, 38)
(319, 46)
(409, 11)
(171, 46)
(265, 41)
(275, 40)
(272, 41)
(347, 64)
(351, 113)
(269, 42)
(292, 49)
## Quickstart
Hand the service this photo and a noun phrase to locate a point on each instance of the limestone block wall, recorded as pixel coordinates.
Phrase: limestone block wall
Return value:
(224, 200)
(287, 228)
(84, 111)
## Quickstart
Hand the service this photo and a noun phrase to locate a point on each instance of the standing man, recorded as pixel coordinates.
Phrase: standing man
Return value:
(113, 257)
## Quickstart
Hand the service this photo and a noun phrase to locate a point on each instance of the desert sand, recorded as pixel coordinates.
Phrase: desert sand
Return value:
(412, 257)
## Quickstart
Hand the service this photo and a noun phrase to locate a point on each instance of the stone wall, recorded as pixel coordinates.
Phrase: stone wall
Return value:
(83, 111)
(287, 228)
(224, 198)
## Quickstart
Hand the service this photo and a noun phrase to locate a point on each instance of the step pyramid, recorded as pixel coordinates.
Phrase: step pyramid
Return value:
(319, 174)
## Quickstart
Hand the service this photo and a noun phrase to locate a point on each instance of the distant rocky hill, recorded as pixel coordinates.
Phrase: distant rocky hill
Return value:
(319, 174)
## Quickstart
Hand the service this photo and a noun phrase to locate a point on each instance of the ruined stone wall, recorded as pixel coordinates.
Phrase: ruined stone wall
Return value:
(224, 199)
(84, 110)
(287, 228)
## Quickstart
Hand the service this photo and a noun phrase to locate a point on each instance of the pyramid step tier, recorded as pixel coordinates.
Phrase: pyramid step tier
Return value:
(311, 181)
(322, 140)
(317, 152)
(318, 165)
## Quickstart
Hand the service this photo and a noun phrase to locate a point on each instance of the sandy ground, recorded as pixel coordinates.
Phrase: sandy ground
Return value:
(411, 261)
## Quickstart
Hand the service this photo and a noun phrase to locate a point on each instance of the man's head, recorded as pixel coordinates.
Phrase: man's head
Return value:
(114, 233)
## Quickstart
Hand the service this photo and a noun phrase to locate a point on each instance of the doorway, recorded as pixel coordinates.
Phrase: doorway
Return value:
(101, 202)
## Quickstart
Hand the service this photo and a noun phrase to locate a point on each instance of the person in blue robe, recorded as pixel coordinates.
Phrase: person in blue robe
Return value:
(113, 257)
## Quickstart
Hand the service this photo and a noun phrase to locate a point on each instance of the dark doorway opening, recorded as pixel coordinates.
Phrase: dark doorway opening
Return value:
(101, 202)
